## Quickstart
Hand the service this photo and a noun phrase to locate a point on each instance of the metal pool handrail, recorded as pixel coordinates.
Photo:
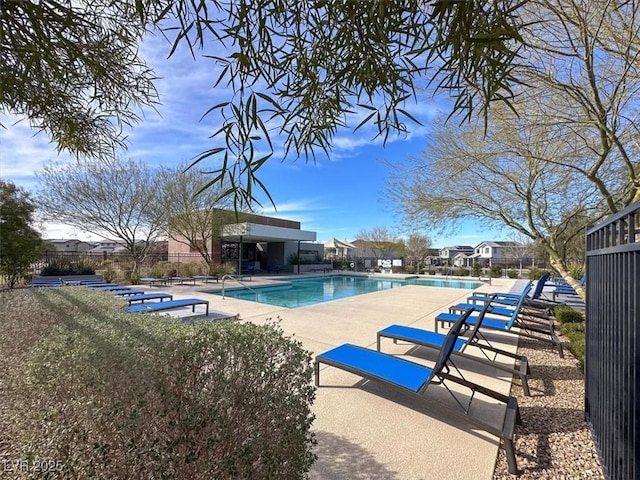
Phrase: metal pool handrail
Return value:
(227, 275)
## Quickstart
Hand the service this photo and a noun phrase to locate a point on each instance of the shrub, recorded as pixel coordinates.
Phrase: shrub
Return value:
(535, 273)
(108, 274)
(476, 269)
(462, 272)
(132, 278)
(114, 395)
(572, 326)
(223, 269)
(512, 274)
(56, 269)
(565, 314)
(575, 332)
(495, 271)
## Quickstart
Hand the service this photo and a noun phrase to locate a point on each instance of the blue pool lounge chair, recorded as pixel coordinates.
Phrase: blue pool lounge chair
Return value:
(413, 379)
(566, 289)
(181, 280)
(435, 340)
(497, 306)
(113, 288)
(121, 292)
(46, 282)
(535, 300)
(170, 305)
(206, 278)
(153, 280)
(506, 324)
(505, 303)
(142, 297)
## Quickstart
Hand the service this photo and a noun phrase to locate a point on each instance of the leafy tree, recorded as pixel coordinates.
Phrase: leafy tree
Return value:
(73, 69)
(417, 248)
(521, 249)
(195, 216)
(20, 243)
(380, 241)
(302, 69)
(566, 154)
(307, 69)
(112, 198)
(582, 76)
(500, 179)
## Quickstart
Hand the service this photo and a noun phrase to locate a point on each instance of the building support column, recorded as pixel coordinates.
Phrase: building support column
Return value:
(240, 257)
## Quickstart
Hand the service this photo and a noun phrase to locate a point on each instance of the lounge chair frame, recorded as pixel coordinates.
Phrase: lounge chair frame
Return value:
(149, 296)
(128, 292)
(522, 370)
(169, 305)
(153, 280)
(438, 375)
(515, 319)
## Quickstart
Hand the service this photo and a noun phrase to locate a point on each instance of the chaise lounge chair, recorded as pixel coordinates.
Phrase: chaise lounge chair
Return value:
(46, 282)
(142, 297)
(206, 278)
(153, 280)
(566, 289)
(435, 340)
(414, 379)
(181, 280)
(506, 324)
(112, 288)
(127, 292)
(535, 300)
(503, 304)
(102, 286)
(169, 305)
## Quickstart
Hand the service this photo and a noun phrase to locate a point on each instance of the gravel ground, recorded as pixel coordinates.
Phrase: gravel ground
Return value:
(554, 441)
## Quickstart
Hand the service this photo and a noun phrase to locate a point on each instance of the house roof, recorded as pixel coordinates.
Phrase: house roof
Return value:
(458, 247)
(335, 243)
(64, 240)
(499, 244)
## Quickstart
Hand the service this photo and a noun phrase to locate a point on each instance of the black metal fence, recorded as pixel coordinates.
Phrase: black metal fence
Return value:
(120, 263)
(612, 356)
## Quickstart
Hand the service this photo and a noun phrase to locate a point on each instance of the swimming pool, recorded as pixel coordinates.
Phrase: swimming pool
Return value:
(309, 291)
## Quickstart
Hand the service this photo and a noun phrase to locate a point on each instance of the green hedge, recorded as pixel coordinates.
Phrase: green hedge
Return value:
(67, 268)
(99, 393)
(572, 326)
(576, 334)
(565, 314)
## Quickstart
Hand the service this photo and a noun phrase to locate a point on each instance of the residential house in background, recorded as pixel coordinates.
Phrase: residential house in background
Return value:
(70, 245)
(501, 252)
(455, 253)
(107, 247)
(338, 249)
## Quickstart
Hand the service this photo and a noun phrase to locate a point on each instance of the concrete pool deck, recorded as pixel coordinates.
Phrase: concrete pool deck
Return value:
(366, 431)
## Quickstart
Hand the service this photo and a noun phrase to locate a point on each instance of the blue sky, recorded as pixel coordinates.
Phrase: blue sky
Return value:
(338, 196)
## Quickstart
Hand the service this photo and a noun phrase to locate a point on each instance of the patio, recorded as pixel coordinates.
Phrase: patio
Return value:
(364, 430)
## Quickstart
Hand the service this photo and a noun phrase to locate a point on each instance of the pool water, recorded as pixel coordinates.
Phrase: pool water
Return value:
(309, 291)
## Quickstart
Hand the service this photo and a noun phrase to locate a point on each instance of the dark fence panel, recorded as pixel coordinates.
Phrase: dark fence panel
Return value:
(612, 357)
(117, 262)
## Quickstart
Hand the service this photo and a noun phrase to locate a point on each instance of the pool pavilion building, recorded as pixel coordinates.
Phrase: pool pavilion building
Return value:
(255, 243)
